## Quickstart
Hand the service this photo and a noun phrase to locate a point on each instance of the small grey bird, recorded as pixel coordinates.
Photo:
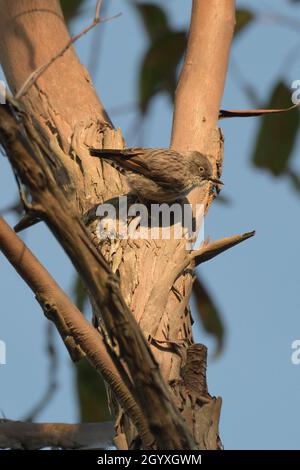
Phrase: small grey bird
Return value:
(160, 175)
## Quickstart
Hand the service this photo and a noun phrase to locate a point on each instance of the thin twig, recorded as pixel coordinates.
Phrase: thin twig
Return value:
(93, 61)
(163, 417)
(230, 113)
(98, 8)
(38, 72)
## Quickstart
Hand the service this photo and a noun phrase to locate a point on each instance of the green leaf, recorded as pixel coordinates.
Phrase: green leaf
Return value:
(91, 392)
(70, 8)
(158, 70)
(243, 19)
(208, 314)
(154, 18)
(277, 134)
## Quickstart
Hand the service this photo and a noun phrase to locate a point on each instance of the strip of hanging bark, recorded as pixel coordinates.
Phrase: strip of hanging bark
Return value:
(16, 435)
(148, 386)
(252, 112)
(213, 249)
(77, 333)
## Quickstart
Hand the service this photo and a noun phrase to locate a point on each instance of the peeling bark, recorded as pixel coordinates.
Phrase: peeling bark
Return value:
(63, 102)
(32, 436)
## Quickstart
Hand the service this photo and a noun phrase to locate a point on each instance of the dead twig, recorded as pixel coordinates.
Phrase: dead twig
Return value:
(213, 249)
(223, 114)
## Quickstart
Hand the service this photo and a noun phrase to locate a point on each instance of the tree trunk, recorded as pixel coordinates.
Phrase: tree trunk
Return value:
(153, 283)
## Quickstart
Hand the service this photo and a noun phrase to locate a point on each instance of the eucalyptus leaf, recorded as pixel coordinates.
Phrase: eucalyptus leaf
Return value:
(277, 134)
(208, 313)
(158, 70)
(71, 8)
(243, 18)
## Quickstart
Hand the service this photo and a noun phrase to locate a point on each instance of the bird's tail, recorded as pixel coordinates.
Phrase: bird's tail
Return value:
(105, 152)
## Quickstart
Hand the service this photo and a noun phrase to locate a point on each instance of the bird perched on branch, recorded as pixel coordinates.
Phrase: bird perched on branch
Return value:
(160, 175)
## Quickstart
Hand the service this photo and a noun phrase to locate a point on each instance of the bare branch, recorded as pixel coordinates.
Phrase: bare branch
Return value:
(253, 112)
(195, 121)
(38, 72)
(97, 11)
(163, 417)
(201, 84)
(77, 333)
(210, 250)
(33, 436)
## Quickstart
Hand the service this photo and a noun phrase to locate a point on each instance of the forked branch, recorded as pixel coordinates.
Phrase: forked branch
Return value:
(16, 435)
(148, 386)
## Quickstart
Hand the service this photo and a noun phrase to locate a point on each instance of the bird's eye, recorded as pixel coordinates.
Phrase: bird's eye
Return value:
(201, 169)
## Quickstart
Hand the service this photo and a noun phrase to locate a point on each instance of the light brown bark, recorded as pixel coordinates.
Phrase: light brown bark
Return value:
(32, 436)
(200, 88)
(77, 333)
(151, 278)
(124, 339)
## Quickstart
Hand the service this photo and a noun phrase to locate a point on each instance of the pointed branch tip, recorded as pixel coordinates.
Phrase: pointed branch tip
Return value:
(210, 250)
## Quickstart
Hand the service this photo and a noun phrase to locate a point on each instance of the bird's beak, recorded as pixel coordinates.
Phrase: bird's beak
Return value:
(216, 181)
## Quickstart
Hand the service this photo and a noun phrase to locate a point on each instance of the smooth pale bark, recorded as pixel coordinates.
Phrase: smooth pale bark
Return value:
(34, 436)
(200, 88)
(66, 106)
(63, 99)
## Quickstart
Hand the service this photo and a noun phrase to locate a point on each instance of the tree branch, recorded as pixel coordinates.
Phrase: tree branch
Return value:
(77, 333)
(201, 84)
(68, 111)
(38, 72)
(148, 386)
(210, 250)
(33, 436)
(197, 103)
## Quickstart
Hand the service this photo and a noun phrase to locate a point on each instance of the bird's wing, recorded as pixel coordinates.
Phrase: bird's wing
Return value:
(147, 162)
(133, 159)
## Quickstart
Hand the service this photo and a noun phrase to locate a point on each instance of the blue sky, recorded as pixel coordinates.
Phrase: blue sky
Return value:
(256, 284)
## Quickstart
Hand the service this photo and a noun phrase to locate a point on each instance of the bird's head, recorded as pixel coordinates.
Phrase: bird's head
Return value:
(202, 168)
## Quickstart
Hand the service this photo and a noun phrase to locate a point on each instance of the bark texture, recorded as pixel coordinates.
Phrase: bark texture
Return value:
(154, 285)
(33, 436)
